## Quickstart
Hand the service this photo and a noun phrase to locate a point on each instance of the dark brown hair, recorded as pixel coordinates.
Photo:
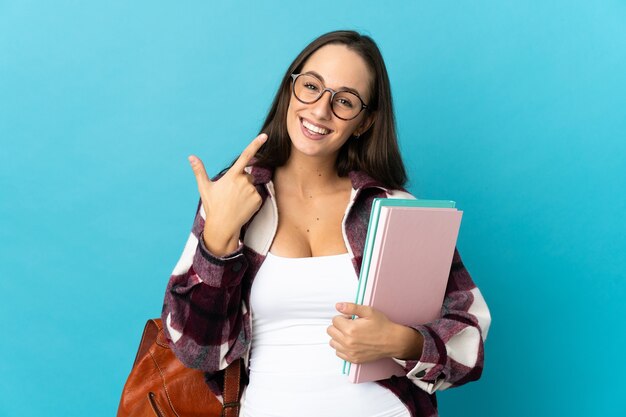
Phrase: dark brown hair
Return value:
(376, 151)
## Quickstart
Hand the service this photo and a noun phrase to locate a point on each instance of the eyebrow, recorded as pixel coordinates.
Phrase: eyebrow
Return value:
(344, 88)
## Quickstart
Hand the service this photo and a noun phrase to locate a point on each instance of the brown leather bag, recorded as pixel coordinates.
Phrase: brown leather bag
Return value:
(160, 385)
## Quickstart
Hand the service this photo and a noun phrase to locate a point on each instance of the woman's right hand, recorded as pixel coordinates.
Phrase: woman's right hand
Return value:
(228, 202)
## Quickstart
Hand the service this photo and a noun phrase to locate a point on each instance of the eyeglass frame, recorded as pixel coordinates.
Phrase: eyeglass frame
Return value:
(294, 76)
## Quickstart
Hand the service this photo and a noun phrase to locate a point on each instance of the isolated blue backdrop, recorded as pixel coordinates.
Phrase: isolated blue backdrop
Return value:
(515, 109)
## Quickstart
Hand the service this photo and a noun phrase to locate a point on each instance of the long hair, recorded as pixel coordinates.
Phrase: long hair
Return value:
(376, 151)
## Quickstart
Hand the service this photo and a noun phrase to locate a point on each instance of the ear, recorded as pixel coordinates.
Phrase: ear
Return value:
(365, 124)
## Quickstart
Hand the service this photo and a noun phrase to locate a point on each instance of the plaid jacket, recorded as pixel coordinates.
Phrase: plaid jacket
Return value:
(208, 321)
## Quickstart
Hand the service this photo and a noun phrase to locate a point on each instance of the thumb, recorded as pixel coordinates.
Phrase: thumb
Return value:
(200, 172)
(353, 309)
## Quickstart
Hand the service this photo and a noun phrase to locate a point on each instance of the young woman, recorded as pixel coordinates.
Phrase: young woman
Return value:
(275, 252)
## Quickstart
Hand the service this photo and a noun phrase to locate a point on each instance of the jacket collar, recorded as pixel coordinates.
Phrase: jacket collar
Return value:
(360, 180)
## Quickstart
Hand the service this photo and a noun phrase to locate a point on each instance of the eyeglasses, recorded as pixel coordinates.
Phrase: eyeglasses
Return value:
(346, 105)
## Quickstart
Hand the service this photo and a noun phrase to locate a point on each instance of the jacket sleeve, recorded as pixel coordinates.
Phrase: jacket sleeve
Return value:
(452, 354)
(203, 314)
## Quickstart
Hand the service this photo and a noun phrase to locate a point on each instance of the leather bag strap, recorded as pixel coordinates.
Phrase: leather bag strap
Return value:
(232, 385)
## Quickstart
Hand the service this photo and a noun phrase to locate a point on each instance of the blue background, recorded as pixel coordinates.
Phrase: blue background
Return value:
(515, 109)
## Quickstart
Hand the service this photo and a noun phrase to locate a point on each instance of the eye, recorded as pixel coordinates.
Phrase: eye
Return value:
(344, 102)
(311, 86)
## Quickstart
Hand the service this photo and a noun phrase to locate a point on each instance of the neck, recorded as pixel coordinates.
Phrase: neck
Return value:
(306, 175)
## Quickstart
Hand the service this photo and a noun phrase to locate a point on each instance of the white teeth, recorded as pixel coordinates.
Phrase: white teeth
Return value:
(314, 128)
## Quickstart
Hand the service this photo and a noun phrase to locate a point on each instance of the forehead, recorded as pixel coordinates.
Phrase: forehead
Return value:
(340, 67)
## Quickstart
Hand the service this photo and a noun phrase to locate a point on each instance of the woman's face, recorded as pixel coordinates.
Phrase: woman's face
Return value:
(337, 67)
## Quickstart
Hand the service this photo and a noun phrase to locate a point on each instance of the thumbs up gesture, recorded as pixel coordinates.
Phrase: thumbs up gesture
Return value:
(228, 202)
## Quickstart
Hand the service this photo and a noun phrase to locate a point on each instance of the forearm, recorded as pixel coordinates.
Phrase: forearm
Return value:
(406, 343)
(203, 293)
(203, 316)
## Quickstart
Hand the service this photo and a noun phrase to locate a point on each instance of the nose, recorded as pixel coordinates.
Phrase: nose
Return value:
(322, 108)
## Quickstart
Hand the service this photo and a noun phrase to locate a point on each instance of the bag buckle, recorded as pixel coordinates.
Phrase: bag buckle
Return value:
(230, 405)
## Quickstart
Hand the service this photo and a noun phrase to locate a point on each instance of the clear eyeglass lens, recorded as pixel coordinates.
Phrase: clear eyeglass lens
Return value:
(308, 88)
(345, 104)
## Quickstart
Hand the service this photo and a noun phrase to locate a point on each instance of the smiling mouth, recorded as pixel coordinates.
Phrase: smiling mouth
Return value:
(316, 130)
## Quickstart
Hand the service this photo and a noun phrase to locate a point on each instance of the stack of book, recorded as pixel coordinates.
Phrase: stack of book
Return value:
(405, 268)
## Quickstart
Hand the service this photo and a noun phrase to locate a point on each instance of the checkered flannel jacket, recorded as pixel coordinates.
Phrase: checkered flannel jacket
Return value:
(208, 320)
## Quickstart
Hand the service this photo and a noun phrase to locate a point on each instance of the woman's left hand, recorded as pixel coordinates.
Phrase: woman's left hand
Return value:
(371, 336)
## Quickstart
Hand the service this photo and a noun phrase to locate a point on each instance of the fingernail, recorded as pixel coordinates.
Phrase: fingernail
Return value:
(341, 306)
(263, 137)
(191, 159)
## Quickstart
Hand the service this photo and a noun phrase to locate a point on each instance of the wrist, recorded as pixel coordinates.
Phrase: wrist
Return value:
(217, 242)
(408, 343)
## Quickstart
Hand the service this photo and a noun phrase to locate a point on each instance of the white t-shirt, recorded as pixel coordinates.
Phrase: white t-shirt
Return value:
(293, 369)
